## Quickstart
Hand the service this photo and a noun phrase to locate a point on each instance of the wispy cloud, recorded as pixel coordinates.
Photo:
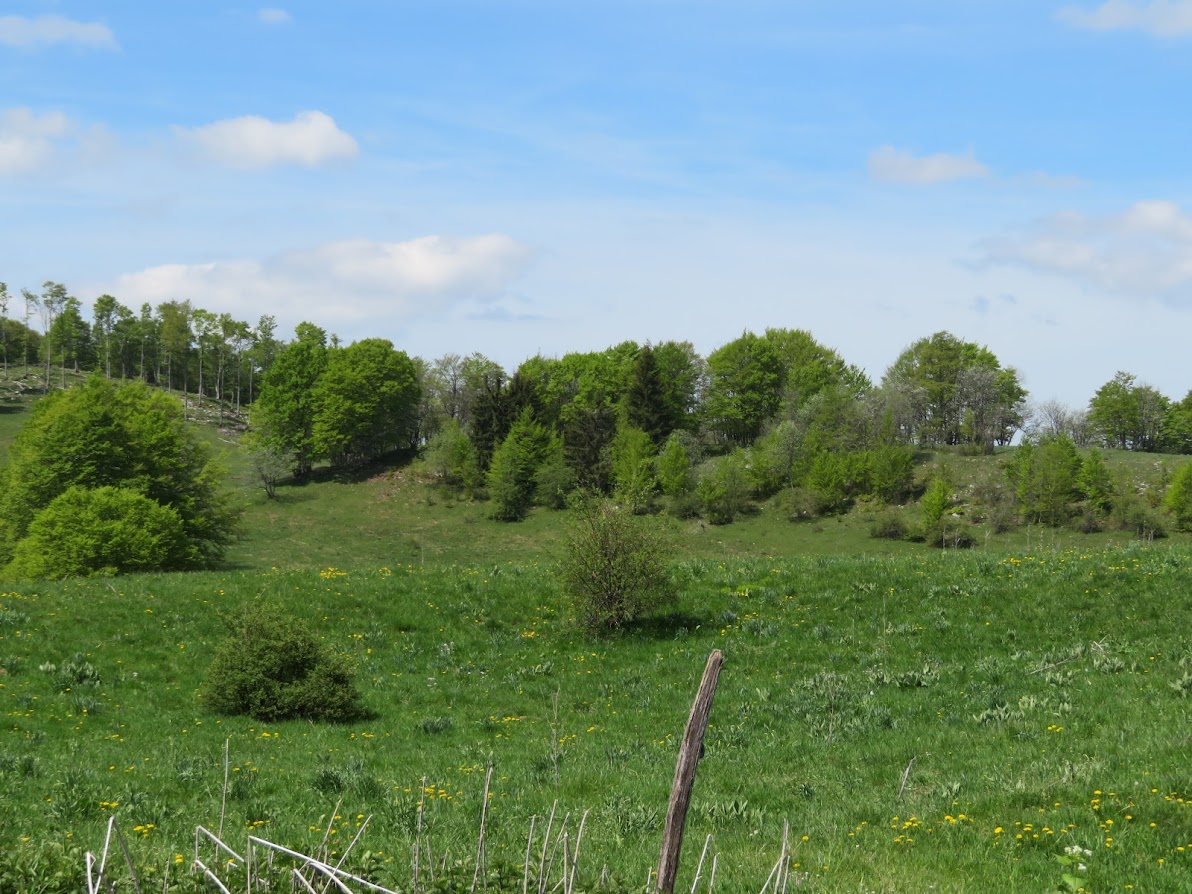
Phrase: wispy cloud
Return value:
(1144, 250)
(890, 165)
(271, 15)
(384, 283)
(311, 139)
(19, 31)
(27, 140)
(1164, 18)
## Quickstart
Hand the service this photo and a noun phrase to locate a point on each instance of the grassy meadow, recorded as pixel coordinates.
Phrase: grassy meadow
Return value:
(923, 720)
(947, 721)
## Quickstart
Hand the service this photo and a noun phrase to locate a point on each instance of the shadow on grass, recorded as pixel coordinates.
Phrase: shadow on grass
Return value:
(664, 626)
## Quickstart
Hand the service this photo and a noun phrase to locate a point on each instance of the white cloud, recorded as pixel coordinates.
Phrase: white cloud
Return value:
(274, 16)
(19, 31)
(1164, 18)
(341, 283)
(1144, 250)
(27, 140)
(891, 165)
(311, 139)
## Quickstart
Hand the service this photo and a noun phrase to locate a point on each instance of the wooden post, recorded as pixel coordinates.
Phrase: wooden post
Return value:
(689, 755)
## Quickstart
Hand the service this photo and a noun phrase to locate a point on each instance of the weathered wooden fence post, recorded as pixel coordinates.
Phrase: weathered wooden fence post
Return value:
(689, 754)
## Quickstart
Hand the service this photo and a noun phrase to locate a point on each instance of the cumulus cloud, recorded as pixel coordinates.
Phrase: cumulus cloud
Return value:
(27, 139)
(273, 16)
(1144, 250)
(891, 165)
(341, 283)
(19, 31)
(250, 142)
(1163, 18)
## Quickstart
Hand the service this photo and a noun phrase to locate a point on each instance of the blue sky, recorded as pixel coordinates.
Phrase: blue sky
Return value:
(515, 177)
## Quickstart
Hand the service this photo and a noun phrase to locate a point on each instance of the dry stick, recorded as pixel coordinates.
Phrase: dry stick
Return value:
(103, 862)
(579, 837)
(545, 844)
(699, 866)
(554, 736)
(689, 752)
(906, 777)
(223, 801)
(480, 853)
(418, 835)
(348, 849)
(1048, 667)
(529, 846)
(785, 858)
(545, 880)
(299, 877)
(136, 883)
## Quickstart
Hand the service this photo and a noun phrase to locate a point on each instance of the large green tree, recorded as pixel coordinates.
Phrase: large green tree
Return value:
(943, 390)
(125, 436)
(1128, 415)
(744, 388)
(366, 402)
(285, 410)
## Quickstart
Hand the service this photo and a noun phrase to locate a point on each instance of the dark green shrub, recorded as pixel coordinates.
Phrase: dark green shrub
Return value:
(889, 526)
(614, 568)
(273, 667)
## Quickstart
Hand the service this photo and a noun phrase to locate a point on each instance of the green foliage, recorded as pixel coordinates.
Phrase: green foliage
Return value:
(1179, 497)
(809, 368)
(891, 473)
(947, 391)
(936, 501)
(632, 461)
(1046, 478)
(271, 464)
(108, 530)
(125, 436)
(1095, 482)
(285, 410)
(1177, 426)
(614, 569)
(366, 403)
(273, 667)
(450, 458)
(1127, 415)
(553, 480)
(511, 476)
(724, 488)
(889, 525)
(674, 468)
(744, 390)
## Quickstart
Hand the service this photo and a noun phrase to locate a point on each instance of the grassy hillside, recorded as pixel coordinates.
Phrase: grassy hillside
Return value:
(937, 720)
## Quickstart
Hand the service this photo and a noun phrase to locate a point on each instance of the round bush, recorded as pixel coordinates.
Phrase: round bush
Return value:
(108, 530)
(615, 566)
(273, 667)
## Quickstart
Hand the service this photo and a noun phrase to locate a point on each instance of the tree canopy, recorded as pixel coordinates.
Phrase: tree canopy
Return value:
(123, 436)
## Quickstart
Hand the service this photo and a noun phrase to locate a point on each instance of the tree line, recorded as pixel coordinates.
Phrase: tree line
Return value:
(775, 414)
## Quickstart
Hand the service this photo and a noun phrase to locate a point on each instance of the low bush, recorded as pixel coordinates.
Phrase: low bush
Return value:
(614, 568)
(102, 531)
(889, 526)
(273, 667)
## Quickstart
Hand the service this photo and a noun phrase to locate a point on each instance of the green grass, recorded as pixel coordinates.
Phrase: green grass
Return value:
(1044, 695)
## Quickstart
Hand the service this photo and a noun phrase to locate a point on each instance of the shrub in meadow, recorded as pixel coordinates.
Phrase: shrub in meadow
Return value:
(273, 667)
(614, 567)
